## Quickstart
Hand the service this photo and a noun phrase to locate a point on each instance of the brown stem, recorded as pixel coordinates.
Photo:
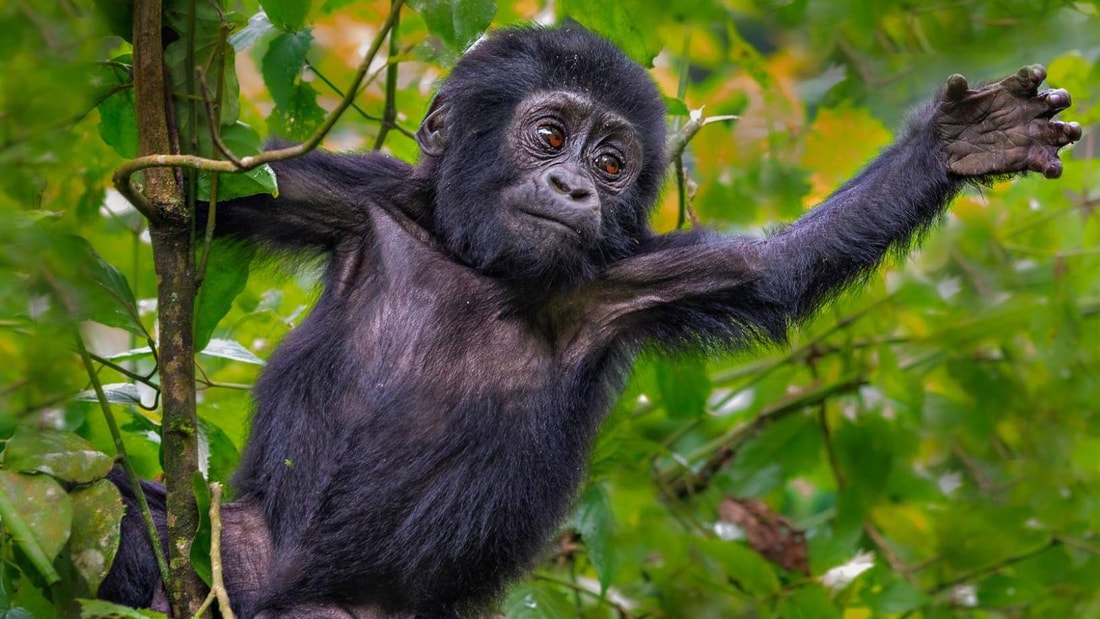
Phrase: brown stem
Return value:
(173, 253)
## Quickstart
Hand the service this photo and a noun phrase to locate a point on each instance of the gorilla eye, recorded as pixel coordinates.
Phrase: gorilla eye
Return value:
(609, 164)
(552, 136)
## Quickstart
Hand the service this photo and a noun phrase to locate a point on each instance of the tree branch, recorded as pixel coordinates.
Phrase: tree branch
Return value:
(123, 175)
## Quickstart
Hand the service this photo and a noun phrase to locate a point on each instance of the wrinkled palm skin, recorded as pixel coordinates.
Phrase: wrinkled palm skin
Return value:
(1004, 127)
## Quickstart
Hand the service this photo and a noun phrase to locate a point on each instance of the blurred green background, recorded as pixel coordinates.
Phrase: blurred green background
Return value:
(927, 447)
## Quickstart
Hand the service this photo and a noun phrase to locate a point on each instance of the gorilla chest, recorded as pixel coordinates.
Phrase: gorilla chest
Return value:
(439, 331)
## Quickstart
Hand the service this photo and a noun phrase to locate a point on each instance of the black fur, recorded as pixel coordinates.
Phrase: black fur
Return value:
(134, 577)
(420, 436)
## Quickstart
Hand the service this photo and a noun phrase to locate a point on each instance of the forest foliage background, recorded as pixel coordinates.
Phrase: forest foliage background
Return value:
(927, 447)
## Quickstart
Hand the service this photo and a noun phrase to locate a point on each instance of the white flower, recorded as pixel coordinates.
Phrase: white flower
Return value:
(840, 576)
(964, 595)
(950, 482)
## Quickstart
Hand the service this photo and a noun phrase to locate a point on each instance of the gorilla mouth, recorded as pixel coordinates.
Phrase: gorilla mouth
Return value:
(553, 221)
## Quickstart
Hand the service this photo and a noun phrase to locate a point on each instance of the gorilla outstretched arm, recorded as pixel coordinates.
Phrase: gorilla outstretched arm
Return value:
(714, 289)
(321, 205)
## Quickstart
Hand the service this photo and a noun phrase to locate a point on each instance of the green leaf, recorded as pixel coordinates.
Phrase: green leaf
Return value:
(807, 602)
(282, 65)
(676, 107)
(63, 455)
(99, 609)
(538, 600)
(241, 140)
(761, 464)
(458, 23)
(221, 455)
(627, 23)
(213, 53)
(288, 15)
(117, 116)
(95, 290)
(132, 355)
(743, 566)
(683, 387)
(595, 522)
(117, 393)
(226, 276)
(228, 349)
(898, 598)
(16, 613)
(97, 515)
(43, 505)
(865, 453)
(302, 116)
(119, 15)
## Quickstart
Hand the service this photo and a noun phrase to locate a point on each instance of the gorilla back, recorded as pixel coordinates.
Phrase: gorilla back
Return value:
(418, 438)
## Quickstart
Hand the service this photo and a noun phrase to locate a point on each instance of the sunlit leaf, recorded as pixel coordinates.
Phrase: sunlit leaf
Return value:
(458, 23)
(288, 15)
(229, 349)
(116, 393)
(43, 505)
(97, 515)
(62, 455)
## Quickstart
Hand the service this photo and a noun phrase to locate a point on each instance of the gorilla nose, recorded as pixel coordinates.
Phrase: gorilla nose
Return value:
(573, 185)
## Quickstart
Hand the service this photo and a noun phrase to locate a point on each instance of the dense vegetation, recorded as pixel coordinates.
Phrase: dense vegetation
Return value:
(927, 447)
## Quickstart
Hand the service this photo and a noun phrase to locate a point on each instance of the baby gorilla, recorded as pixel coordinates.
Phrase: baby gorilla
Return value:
(482, 309)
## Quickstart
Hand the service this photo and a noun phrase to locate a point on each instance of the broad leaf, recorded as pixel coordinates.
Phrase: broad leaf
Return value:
(288, 15)
(43, 505)
(595, 523)
(116, 393)
(97, 515)
(458, 23)
(242, 141)
(62, 455)
(226, 276)
(228, 349)
(282, 65)
(99, 609)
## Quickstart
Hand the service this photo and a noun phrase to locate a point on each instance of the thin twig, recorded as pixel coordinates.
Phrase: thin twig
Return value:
(213, 123)
(678, 141)
(609, 598)
(724, 448)
(124, 173)
(997, 566)
(218, 584)
(127, 467)
(146, 380)
(389, 112)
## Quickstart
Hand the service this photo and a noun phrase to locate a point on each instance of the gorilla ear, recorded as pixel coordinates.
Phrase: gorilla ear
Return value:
(432, 134)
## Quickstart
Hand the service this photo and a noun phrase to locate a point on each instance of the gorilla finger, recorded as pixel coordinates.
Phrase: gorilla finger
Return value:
(1045, 162)
(957, 88)
(1054, 101)
(1071, 130)
(1025, 83)
(1057, 133)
